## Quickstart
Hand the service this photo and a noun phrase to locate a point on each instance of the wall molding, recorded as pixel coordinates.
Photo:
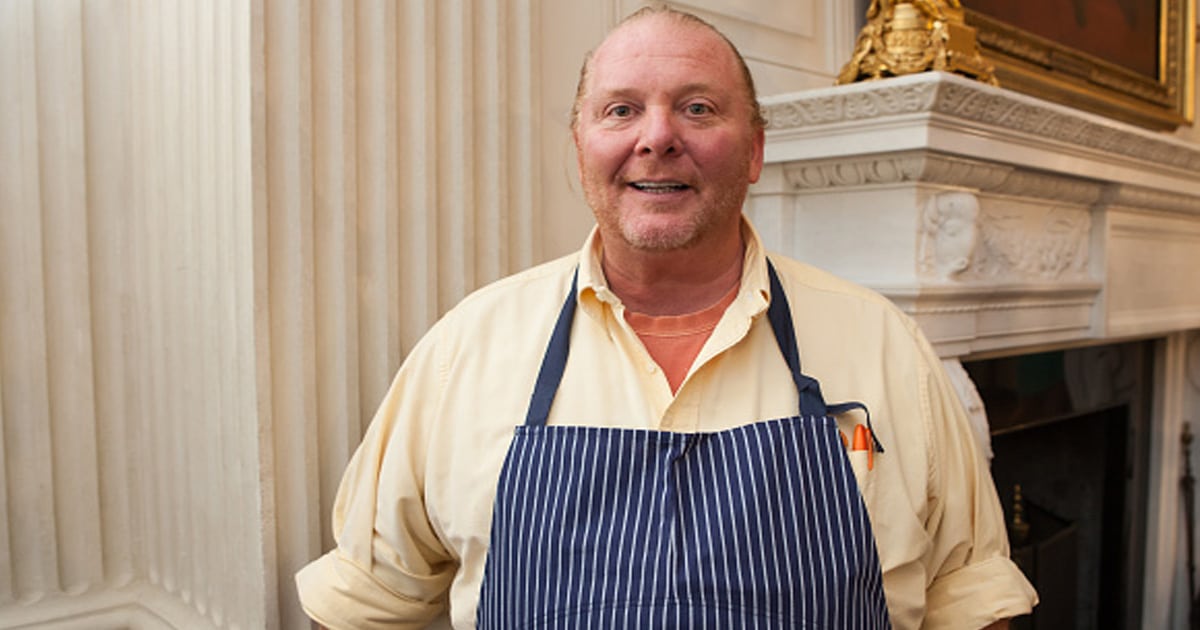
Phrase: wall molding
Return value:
(938, 96)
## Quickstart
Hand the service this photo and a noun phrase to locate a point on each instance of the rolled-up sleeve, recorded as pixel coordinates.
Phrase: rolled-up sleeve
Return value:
(981, 592)
(389, 569)
(338, 593)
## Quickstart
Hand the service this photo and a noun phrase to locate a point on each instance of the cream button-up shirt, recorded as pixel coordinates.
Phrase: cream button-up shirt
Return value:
(413, 513)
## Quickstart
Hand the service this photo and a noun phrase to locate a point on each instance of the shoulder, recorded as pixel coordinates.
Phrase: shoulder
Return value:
(857, 342)
(491, 341)
(504, 317)
(534, 289)
(814, 289)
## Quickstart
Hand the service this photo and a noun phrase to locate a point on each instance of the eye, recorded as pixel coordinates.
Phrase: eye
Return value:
(698, 109)
(620, 111)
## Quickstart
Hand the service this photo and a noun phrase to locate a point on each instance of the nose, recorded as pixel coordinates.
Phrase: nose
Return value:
(658, 134)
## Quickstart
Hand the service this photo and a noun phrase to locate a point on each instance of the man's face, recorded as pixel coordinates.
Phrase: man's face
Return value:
(665, 142)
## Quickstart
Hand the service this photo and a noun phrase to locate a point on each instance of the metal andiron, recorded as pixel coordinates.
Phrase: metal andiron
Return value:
(909, 37)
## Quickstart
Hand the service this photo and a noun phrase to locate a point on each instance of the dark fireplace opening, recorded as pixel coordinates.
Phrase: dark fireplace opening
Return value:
(1069, 433)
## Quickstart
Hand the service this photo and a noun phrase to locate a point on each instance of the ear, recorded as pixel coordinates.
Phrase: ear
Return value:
(756, 155)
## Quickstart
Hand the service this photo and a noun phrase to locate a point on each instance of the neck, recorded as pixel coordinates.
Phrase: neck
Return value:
(674, 282)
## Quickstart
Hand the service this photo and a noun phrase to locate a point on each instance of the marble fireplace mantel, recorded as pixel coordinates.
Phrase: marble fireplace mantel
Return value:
(999, 221)
(1005, 224)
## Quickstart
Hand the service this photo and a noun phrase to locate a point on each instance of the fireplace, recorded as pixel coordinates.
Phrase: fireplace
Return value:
(1031, 239)
(1070, 435)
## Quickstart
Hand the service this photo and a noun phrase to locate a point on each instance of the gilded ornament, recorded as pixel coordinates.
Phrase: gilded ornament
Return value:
(902, 38)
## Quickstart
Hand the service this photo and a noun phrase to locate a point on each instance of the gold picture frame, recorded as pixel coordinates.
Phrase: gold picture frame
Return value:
(1041, 67)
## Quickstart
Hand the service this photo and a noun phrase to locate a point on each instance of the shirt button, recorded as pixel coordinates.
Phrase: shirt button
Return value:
(651, 368)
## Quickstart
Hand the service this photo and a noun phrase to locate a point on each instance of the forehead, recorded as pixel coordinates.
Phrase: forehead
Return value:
(660, 46)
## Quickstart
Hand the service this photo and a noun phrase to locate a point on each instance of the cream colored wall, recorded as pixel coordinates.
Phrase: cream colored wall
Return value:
(132, 452)
(223, 224)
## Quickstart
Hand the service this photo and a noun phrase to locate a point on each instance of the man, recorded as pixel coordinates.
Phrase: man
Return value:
(677, 465)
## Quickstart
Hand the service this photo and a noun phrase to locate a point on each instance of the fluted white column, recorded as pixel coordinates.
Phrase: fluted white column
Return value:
(396, 172)
(223, 226)
(131, 449)
(196, 435)
(29, 508)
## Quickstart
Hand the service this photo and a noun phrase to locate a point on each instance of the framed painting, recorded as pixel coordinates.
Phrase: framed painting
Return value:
(1133, 60)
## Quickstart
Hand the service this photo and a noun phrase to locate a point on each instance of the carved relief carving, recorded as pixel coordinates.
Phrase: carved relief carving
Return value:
(959, 171)
(959, 242)
(961, 98)
(1052, 246)
(895, 168)
(857, 105)
(934, 168)
(839, 173)
(949, 234)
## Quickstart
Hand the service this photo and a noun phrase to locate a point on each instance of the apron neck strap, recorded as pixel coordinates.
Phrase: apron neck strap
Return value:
(555, 360)
(780, 315)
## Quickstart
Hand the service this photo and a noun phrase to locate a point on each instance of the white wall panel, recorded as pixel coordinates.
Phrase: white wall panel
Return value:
(395, 176)
(789, 44)
(197, 459)
(25, 360)
(58, 28)
(130, 432)
(1143, 246)
(105, 54)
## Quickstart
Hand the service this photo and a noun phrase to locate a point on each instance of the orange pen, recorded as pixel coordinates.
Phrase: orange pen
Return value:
(862, 442)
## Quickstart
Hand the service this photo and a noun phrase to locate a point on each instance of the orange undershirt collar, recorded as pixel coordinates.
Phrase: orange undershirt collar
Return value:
(674, 341)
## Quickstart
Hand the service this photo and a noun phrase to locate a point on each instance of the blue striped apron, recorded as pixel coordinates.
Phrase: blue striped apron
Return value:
(761, 526)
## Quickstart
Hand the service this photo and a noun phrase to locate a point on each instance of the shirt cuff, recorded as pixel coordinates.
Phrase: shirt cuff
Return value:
(339, 594)
(979, 594)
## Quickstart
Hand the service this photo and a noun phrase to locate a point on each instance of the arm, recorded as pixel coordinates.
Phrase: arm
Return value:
(974, 581)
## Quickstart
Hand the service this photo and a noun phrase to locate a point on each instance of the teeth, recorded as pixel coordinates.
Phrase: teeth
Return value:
(658, 186)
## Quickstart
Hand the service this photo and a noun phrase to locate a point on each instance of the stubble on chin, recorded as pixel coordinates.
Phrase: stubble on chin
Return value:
(642, 235)
(656, 232)
(651, 232)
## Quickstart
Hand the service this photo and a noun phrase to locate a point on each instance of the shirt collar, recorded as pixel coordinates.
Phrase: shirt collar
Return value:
(753, 296)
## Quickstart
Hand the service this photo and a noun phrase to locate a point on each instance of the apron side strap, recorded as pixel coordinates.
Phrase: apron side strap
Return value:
(838, 409)
(554, 362)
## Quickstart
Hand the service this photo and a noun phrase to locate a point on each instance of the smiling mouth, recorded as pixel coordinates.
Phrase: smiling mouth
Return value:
(659, 187)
